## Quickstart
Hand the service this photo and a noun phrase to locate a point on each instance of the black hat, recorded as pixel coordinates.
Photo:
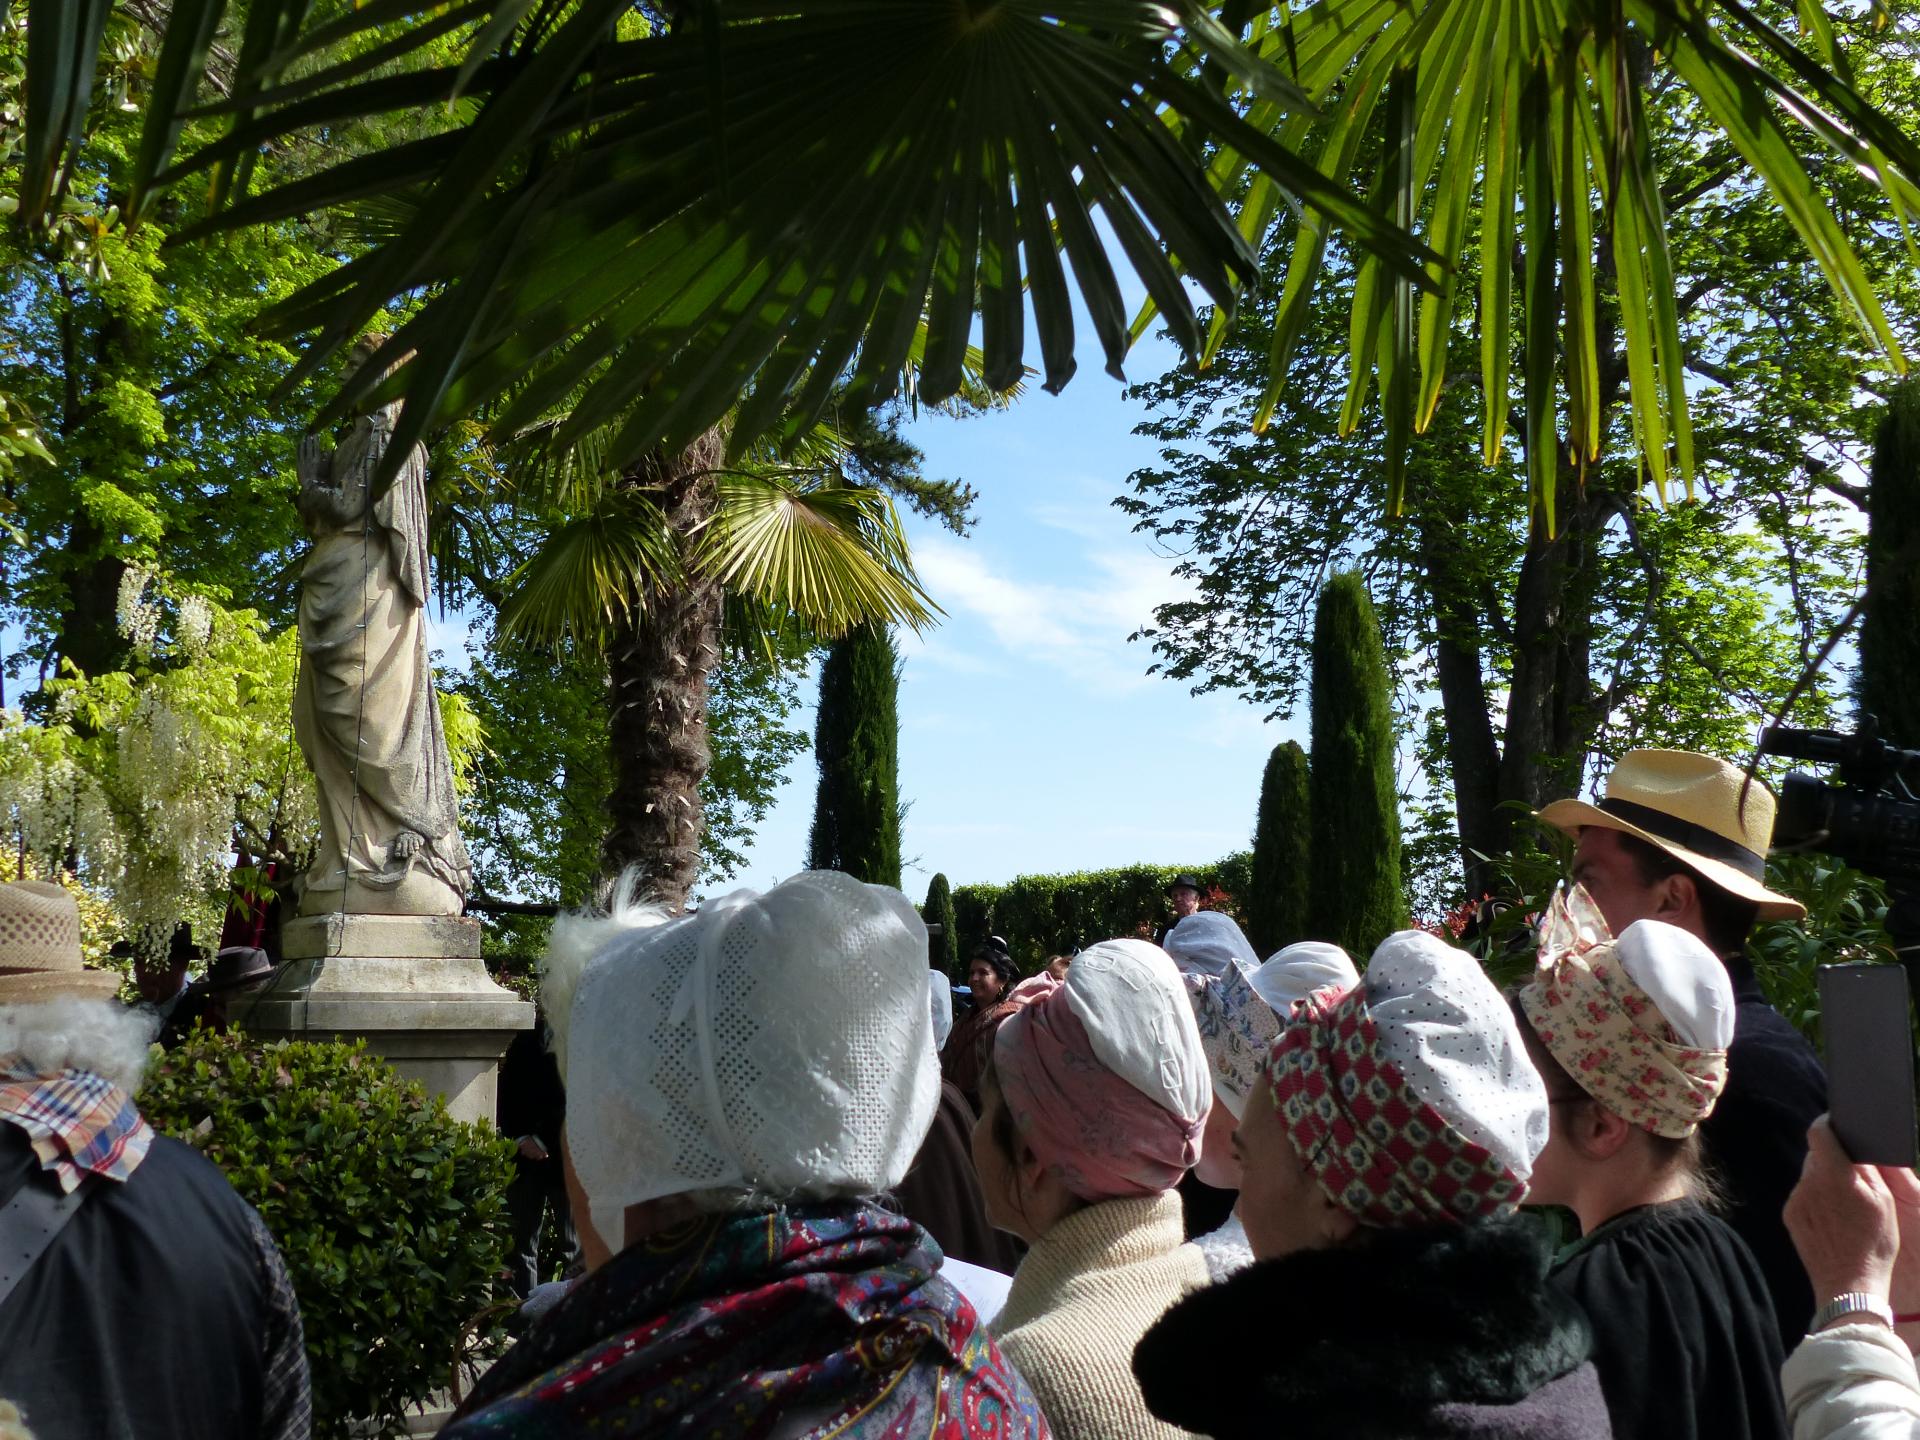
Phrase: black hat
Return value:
(1187, 882)
(235, 966)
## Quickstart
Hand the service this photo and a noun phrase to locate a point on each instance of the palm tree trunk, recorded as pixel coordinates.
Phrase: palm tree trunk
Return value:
(659, 663)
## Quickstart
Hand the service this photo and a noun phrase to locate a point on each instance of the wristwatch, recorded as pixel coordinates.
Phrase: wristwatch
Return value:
(1853, 1303)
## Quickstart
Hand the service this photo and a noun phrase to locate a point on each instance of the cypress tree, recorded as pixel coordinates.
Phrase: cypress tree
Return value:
(1356, 899)
(856, 740)
(944, 948)
(1890, 628)
(1282, 850)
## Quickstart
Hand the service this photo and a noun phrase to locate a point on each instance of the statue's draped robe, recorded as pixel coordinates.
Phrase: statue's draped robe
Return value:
(364, 709)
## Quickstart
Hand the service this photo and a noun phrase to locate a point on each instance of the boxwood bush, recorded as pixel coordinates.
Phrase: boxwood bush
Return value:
(390, 1212)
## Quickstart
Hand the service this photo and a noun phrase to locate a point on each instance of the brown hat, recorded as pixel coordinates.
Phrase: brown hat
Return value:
(1700, 810)
(40, 947)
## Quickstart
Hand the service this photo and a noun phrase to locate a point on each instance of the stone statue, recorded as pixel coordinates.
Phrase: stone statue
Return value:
(364, 710)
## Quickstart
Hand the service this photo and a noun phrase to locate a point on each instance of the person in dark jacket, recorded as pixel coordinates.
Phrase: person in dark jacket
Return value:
(1395, 1293)
(532, 1109)
(1683, 838)
(157, 1306)
(1631, 1038)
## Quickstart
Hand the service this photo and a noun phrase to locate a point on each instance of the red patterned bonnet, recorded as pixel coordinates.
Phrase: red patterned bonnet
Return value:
(1410, 1097)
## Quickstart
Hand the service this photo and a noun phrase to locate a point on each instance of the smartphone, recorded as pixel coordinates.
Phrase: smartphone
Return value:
(1863, 1010)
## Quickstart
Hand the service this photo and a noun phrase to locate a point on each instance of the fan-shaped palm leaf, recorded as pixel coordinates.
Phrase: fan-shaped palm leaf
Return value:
(831, 554)
(590, 572)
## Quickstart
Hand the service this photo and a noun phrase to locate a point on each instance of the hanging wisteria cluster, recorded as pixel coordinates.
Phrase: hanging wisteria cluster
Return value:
(138, 780)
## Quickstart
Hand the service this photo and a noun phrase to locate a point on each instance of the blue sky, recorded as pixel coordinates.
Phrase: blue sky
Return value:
(1031, 738)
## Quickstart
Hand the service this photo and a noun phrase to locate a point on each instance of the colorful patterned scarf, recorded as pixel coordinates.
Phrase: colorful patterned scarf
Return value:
(823, 1319)
(1379, 1150)
(80, 1123)
(1608, 1034)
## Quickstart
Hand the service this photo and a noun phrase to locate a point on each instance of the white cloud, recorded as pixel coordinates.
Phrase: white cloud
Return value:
(1078, 622)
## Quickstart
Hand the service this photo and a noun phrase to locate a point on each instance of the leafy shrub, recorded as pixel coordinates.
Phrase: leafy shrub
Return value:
(390, 1213)
(1042, 915)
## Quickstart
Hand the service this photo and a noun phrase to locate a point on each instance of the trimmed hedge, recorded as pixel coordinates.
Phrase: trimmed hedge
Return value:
(390, 1213)
(1042, 915)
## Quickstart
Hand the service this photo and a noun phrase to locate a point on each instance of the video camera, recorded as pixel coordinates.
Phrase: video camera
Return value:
(1871, 819)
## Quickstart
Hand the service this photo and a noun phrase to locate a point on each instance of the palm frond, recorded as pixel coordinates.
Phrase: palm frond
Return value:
(591, 573)
(1528, 131)
(832, 555)
(698, 245)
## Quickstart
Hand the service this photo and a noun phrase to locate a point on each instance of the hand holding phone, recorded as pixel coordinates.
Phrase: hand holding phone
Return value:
(1863, 1011)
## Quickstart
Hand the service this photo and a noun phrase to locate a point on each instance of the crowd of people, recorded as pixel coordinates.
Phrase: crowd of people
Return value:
(1154, 1189)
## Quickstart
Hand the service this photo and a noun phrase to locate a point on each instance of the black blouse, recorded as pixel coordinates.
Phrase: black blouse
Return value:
(1685, 1338)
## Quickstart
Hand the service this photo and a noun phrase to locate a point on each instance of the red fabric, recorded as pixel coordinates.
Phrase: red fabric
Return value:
(1379, 1151)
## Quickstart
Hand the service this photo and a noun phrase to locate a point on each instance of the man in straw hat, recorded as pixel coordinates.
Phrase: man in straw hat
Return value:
(1683, 838)
(139, 1295)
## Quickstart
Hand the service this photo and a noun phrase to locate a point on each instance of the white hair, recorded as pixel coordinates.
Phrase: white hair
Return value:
(69, 1033)
(578, 937)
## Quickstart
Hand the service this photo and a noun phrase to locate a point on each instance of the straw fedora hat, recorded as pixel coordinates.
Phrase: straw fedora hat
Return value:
(1690, 806)
(40, 947)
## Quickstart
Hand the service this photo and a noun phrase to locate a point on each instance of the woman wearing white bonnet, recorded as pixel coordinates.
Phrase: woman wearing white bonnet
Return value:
(1631, 1038)
(1093, 1104)
(1239, 1015)
(740, 1083)
(1385, 1148)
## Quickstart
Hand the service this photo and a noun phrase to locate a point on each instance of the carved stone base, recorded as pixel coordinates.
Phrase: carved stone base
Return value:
(413, 986)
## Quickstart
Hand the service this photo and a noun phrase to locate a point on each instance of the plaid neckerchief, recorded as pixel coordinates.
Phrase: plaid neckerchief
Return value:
(80, 1123)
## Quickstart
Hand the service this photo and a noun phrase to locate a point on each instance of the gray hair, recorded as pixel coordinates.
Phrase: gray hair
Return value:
(103, 1036)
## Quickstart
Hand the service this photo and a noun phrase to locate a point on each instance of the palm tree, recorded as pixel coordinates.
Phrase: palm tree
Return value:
(746, 210)
(665, 566)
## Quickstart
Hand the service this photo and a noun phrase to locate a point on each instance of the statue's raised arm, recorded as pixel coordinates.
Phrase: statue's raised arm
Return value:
(364, 710)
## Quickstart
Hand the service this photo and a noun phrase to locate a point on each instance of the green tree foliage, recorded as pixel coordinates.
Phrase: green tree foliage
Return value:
(944, 949)
(391, 1215)
(535, 816)
(856, 742)
(1355, 897)
(169, 442)
(1889, 683)
(1276, 898)
(1525, 659)
(1042, 915)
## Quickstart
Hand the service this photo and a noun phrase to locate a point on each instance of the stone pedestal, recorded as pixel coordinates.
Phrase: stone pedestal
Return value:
(413, 986)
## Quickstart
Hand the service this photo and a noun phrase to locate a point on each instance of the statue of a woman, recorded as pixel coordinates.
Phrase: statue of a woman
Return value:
(364, 710)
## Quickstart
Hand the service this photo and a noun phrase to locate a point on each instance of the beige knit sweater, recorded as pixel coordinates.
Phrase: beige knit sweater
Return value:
(1087, 1291)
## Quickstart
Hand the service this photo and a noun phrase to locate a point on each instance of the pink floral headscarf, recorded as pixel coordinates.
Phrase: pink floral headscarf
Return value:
(1607, 1032)
(1104, 1074)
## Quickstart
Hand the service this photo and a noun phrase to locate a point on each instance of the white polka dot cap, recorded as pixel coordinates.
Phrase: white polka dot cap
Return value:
(1451, 1034)
(779, 1042)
